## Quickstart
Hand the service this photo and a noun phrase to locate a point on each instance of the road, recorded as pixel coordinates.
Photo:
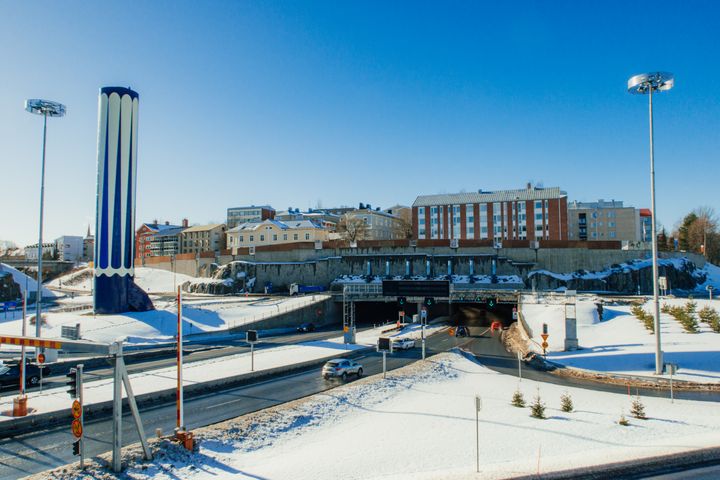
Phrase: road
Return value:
(48, 448)
(193, 353)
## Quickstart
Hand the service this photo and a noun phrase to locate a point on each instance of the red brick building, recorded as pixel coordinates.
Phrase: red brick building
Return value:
(144, 236)
(531, 214)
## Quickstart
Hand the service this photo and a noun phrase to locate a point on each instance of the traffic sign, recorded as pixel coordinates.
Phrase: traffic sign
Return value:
(41, 358)
(76, 409)
(77, 428)
(544, 337)
(451, 332)
(514, 313)
(346, 329)
(544, 345)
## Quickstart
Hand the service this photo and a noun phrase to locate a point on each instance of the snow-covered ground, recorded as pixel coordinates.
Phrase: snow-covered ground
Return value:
(152, 280)
(208, 370)
(621, 344)
(199, 316)
(420, 423)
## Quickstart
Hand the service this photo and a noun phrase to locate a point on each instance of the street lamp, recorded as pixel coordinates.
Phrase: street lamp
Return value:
(46, 108)
(647, 83)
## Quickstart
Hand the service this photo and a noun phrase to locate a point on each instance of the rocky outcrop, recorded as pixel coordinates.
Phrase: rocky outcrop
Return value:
(629, 278)
(9, 290)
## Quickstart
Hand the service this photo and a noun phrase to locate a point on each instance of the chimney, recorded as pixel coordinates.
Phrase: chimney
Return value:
(185, 223)
(167, 222)
(155, 222)
(529, 186)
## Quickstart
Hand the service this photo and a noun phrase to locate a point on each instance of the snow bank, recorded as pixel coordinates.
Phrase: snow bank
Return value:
(420, 424)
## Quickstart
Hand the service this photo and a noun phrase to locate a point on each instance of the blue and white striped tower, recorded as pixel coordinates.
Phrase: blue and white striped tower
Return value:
(116, 181)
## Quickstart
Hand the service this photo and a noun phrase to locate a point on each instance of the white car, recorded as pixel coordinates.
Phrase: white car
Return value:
(403, 344)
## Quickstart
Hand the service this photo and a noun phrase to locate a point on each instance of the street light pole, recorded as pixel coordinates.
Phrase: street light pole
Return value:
(47, 109)
(648, 83)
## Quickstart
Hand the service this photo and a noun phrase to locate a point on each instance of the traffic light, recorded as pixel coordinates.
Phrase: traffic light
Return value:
(402, 301)
(429, 301)
(72, 383)
(76, 447)
(252, 336)
(491, 303)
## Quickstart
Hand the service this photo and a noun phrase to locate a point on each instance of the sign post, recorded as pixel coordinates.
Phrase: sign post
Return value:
(78, 423)
(384, 345)
(423, 322)
(710, 289)
(478, 407)
(180, 414)
(544, 344)
(252, 338)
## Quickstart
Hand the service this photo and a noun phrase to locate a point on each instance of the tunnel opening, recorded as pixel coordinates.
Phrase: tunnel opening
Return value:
(481, 314)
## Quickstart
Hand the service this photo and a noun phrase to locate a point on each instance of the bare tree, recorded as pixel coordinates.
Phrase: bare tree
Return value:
(402, 229)
(702, 231)
(352, 228)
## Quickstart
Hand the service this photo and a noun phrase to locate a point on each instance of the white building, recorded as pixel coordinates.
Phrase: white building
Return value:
(69, 248)
(49, 249)
(274, 232)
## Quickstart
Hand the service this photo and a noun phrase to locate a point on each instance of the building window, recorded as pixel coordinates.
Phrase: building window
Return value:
(421, 211)
(284, 236)
(307, 236)
(612, 234)
(295, 236)
(252, 238)
(611, 224)
(274, 237)
(262, 237)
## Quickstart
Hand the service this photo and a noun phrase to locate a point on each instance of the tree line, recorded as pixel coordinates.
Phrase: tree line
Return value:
(697, 233)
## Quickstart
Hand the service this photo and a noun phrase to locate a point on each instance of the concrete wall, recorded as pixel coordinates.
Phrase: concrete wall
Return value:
(322, 313)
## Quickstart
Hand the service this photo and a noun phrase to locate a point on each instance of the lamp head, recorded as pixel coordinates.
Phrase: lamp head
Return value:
(655, 81)
(45, 107)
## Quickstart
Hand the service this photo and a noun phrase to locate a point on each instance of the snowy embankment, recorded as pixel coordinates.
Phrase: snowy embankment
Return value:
(420, 424)
(152, 280)
(25, 282)
(160, 325)
(621, 344)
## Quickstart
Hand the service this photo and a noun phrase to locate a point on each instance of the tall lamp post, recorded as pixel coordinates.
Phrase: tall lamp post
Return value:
(46, 108)
(648, 83)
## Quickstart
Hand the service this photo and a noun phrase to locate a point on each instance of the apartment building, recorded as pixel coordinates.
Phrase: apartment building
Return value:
(238, 215)
(379, 225)
(531, 213)
(203, 238)
(153, 239)
(608, 220)
(274, 232)
(69, 248)
(317, 216)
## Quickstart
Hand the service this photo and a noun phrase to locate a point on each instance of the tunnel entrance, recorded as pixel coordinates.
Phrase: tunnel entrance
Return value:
(481, 314)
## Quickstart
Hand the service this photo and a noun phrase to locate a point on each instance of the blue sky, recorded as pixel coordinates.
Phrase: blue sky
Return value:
(335, 103)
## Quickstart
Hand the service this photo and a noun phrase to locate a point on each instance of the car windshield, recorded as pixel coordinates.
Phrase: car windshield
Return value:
(4, 369)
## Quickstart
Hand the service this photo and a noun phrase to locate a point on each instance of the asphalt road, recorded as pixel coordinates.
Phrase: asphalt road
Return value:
(191, 353)
(48, 448)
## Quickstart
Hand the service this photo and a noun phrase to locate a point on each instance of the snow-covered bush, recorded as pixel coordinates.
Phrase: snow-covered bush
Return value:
(686, 316)
(517, 399)
(566, 403)
(710, 316)
(637, 409)
(537, 408)
(644, 317)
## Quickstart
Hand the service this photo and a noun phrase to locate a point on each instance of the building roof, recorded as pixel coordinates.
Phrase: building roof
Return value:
(366, 211)
(203, 228)
(535, 193)
(158, 227)
(282, 225)
(645, 212)
(266, 207)
(167, 232)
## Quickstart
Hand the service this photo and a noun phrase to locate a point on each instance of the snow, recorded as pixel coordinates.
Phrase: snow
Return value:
(419, 423)
(24, 280)
(621, 344)
(152, 280)
(199, 316)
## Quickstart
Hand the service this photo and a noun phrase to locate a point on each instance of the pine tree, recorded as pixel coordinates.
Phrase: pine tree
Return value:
(517, 399)
(638, 409)
(566, 403)
(537, 408)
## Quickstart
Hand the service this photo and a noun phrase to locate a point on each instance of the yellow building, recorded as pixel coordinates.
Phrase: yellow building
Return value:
(274, 232)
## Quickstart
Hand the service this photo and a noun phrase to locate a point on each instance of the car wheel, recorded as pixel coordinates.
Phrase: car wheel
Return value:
(344, 376)
(33, 380)
(359, 374)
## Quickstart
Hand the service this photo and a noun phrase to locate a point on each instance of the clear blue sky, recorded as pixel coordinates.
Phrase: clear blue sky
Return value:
(300, 103)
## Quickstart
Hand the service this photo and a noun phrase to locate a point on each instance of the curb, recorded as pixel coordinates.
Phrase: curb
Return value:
(25, 424)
